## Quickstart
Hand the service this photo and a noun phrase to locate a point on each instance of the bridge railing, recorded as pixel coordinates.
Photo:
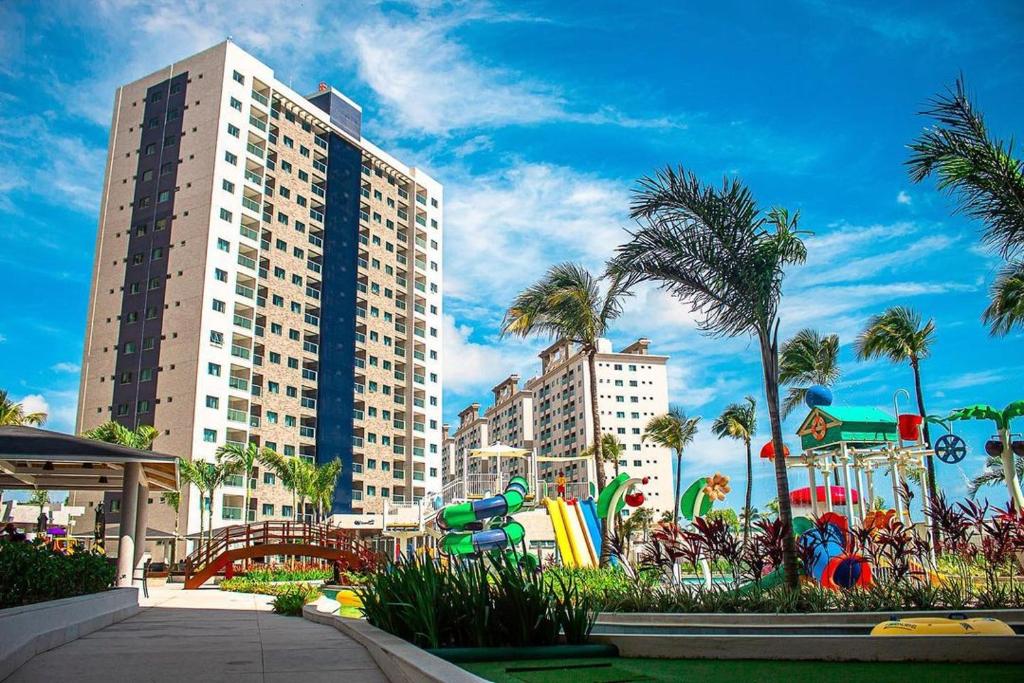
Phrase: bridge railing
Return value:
(271, 533)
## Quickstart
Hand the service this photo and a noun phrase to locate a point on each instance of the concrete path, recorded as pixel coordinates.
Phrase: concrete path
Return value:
(206, 635)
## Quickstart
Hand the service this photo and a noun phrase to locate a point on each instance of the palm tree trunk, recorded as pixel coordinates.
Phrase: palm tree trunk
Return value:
(1010, 471)
(933, 494)
(770, 365)
(746, 500)
(245, 499)
(595, 416)
(679, 481)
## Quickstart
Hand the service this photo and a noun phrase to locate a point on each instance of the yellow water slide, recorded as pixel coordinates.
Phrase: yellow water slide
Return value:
(561, 537)
(577, 543)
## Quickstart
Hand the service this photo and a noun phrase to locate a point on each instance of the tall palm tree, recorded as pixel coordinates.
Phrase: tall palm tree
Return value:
(900, 335)
(568, 303)
(173, 499)
(12, 413)
(1006, 310)
(713, 249)
(739, 421)
(611, 450)
(241, 460)
(290, 470)
(806, 359)
(674, 431)
(141, 438)
(986, 180)
(207, 477)
(321, 486)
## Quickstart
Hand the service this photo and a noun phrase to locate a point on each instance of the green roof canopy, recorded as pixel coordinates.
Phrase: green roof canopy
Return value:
(830, 425)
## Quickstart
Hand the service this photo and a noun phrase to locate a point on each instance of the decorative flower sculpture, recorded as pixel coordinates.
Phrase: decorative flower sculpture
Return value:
(717, 486)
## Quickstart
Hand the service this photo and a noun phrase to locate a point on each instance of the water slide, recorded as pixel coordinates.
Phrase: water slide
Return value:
(576, 507)
(561, 535)
(455, 518)
(593, 524)
(577, 544)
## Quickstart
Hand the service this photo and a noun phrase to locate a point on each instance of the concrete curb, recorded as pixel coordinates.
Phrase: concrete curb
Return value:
(401, 661)
(821, 648)
(33, 629)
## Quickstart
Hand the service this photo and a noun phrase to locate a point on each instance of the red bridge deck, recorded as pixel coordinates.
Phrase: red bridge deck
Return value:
(296, 539)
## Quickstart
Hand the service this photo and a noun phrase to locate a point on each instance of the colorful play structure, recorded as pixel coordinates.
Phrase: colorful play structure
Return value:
(485, 526)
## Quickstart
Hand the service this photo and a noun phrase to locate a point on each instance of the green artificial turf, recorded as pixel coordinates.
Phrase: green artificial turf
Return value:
(740, 671)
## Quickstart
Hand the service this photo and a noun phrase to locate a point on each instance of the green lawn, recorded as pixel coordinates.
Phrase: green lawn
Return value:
(740, 671)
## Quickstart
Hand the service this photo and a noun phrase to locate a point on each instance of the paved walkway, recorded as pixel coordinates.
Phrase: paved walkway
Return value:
(206, 635)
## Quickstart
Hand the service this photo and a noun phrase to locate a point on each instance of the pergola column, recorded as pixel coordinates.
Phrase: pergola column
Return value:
(129, 515)
(141, 521)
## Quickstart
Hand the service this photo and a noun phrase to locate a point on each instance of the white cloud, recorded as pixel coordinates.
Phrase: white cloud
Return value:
(34, 403)
(903, 198)
(65, 366)
(3, 338)
(473, 368)
(974, 379)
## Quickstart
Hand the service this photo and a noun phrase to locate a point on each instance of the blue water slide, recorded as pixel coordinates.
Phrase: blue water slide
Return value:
(593, 523)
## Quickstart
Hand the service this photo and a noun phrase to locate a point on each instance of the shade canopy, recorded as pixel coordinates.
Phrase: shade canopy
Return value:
(33, 458)
(499, 450)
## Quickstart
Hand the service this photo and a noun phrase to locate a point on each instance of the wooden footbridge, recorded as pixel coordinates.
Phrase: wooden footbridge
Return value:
(262, 539)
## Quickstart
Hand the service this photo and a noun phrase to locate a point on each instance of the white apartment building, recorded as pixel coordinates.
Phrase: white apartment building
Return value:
(264, 274)
(632, 388)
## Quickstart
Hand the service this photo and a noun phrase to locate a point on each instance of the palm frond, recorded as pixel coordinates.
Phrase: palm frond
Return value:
(979, 171)
(896, 334)
(1006, 310)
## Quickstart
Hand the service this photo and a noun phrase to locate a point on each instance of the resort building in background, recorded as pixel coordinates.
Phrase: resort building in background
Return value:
(550, 415)
(264, 274)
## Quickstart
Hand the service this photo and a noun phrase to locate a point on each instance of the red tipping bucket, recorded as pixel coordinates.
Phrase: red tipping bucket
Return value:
(910, 427)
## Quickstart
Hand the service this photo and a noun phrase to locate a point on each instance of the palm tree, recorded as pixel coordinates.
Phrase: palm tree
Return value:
(987, 182)
(674, 431)
(141, 438)
(1006, 311)
(291, 471)
(714, 250)
(808, 358)
(12, 413)
(40, 498)
(207, 477)
(241, 459)
(611, 450)
(173, 498)
(900, 335)
(568, 303)
(321, 486)
(993, 474)
(739, 421)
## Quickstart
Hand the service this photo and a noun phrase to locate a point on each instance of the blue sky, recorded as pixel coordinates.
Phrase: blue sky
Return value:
(538, 118)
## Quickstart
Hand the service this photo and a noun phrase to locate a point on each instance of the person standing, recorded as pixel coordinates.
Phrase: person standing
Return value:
(560, 483)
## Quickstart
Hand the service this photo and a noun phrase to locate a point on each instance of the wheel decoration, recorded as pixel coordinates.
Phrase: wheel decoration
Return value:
(950, 449)
(818, 428)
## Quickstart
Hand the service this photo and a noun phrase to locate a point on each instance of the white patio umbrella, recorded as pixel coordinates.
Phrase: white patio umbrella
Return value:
(499, 451)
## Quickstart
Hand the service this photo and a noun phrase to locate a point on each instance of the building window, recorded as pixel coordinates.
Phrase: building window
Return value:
(129, 348)
(236, 104)
(231, 158)
(223, 244)
(226, 215)
(286, 510)
(268, 509)
(213, 369)
(239, 78)
(216, 338)
(218, 306)
(228, 185)
(145, 374)
(143, 407)
(269, 478)
(212, 402)
(150, 149)
(233, 130)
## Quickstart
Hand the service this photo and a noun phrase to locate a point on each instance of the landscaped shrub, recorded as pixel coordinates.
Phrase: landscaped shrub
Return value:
(245, 584)
(472, 605)
(292, 571)
(293, 598)
(31, 572)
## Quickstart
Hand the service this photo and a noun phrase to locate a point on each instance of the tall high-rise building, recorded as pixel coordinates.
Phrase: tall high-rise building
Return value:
(264, 274)
(550, 415)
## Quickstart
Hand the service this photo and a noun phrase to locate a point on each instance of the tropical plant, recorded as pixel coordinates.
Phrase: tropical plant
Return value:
(207, 477)
(806, 359)
(239, 459)
(32, 572)
(141, 438)
(1006, 310)
(173, 499)
(980, 172)
(321, 486)
(293, 473)
(714, 250)
(611, 450)
(674, 431)
(993, 474)
(900, 335)
(739, 421)
(568, 303)
(40, 498)
(13, 414)
(1001, 418)
(291, 599)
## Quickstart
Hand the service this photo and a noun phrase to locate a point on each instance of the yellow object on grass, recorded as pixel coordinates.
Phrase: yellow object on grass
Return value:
(561, 537)
(938, 626)
(347, 597)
